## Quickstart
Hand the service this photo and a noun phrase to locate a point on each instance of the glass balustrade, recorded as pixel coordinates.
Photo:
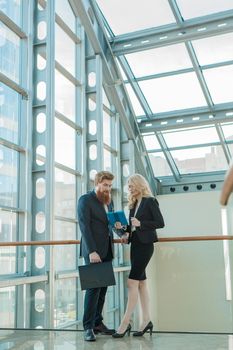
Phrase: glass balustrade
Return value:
(40, 287)
(190, 286)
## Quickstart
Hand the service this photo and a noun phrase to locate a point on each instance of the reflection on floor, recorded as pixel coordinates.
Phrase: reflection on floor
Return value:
(70, 340)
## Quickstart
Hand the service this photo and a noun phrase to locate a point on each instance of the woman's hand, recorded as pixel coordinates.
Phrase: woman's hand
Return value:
(124, 238)
(118, 225)
(135, 222)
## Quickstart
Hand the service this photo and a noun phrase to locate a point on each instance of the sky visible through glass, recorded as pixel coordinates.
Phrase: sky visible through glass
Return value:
(173, 79)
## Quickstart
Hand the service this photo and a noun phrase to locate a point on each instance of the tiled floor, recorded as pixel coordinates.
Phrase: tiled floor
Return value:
(70, 340)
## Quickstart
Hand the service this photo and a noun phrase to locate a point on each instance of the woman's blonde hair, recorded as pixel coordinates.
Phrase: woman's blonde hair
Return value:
(142, 185)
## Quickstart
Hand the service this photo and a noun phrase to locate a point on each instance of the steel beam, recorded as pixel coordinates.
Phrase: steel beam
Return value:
(188, 118)
(193, 29)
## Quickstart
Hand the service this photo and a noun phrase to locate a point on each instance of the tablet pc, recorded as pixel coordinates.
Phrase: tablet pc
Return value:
(117, 216)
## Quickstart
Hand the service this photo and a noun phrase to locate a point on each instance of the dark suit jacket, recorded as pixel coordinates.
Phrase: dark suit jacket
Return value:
(150, 217)
(94, 226)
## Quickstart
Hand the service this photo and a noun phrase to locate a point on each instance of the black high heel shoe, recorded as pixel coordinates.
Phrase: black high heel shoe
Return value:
(149, 327)
(121, 335)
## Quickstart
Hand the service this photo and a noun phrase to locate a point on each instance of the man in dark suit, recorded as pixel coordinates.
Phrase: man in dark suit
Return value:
(96, 246)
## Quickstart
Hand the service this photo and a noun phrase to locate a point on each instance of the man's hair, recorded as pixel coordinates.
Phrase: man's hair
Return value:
(103, 175)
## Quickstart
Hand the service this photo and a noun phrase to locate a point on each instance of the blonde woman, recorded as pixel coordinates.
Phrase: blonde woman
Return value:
(144, 218)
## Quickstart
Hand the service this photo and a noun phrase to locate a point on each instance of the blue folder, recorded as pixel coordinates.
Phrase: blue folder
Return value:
(114, 216)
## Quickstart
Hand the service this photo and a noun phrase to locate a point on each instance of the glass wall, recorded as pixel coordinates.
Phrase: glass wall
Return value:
(12, 153)
(44, 153)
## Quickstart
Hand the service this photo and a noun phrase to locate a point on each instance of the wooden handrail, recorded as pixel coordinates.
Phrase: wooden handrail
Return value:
(196, 238)
(161, 240)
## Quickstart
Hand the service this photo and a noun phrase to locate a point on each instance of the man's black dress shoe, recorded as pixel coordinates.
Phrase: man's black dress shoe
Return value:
(89, 335)
(102, 329)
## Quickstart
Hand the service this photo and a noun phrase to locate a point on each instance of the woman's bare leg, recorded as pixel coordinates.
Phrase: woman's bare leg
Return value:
(133, 291)
(144, 301)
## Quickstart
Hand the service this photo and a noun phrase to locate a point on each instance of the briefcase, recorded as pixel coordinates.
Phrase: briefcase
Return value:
(96, 275)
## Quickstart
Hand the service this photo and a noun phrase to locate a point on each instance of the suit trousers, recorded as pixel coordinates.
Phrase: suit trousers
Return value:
(94, 300)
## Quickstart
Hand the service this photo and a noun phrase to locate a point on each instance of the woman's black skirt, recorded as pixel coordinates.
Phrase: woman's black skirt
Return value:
(140, 255)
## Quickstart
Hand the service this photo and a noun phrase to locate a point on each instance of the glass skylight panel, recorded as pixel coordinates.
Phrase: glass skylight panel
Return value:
(9, 114)
(220, 83)
(159, 164)
(64, 144)
(191, 136)
(138, 110)
(151, 142)
(163, 59)
(65, 57)
(65, 194)
(228, 131)
(9, 175)
(124, 77)
(230, 146)
(63, 9)
(200, 160)
(105, 99)
(214, 49)
(173, 92)
(9, 53)
(131, 15)
(107, 160)
(107, 128)
(12, 9)
(64, 96)
(195, 8)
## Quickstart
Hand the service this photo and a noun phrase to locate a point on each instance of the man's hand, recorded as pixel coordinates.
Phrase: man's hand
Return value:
(94, 258)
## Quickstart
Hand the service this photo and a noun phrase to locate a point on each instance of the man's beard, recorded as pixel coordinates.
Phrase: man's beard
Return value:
(103, 197)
